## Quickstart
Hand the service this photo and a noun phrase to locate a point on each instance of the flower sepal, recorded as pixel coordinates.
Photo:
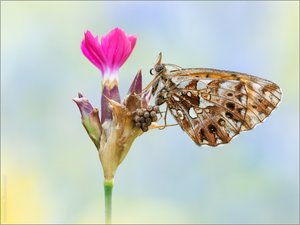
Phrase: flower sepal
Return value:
(117, 140)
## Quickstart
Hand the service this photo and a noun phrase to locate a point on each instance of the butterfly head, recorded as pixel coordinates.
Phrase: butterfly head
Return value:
(158, 68)
(157, 71)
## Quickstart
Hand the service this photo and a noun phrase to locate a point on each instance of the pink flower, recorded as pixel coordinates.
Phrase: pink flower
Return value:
(111, 53)
(108, 56)
(115, 132)
(121, 122)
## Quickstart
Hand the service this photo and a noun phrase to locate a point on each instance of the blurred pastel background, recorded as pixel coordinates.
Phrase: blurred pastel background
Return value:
(50, 171)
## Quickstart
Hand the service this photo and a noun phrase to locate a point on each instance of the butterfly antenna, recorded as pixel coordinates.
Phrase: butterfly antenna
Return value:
(150, 84)
(173, 65)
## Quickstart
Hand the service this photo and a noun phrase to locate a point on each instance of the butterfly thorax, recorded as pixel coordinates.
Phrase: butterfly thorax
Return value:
(163, 94)
(163, 80)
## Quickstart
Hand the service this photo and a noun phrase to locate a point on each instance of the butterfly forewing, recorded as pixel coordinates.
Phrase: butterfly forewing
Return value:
(213, 106)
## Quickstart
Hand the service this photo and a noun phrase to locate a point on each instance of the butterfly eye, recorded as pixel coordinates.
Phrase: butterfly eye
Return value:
(158, 68)
(151, 71)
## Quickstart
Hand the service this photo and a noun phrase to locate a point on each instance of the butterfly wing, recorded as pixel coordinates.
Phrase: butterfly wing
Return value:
(213, 106)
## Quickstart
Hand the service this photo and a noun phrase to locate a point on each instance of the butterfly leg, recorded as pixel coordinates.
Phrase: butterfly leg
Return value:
(155, 126)
(165, 121)
(161, 127)
(150, 84)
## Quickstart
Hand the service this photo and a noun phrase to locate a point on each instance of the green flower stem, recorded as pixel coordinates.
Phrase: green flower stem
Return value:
(108, 187)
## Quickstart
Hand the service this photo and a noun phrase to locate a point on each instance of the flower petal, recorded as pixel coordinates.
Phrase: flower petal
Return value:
(117, 47)
(92, 50)
(132, 39)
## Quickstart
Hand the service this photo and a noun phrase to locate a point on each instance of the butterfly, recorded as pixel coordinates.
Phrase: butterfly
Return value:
(213, 106)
